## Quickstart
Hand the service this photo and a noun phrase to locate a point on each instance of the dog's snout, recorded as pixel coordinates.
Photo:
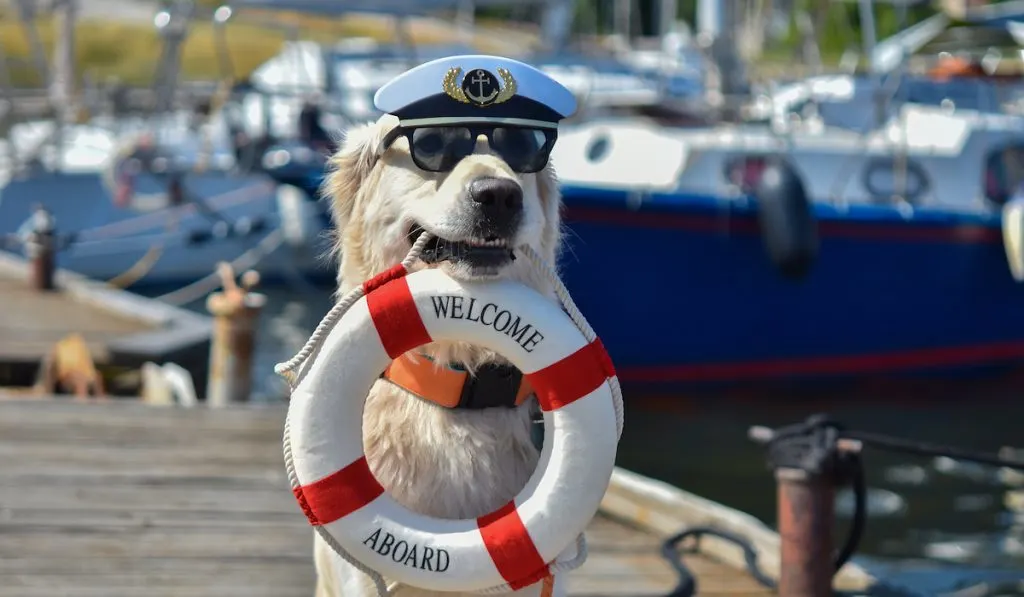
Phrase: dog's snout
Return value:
(500, 202)
(498, 194)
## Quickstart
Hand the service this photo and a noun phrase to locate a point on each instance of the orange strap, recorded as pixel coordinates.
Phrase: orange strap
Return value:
(548, 587)
(438, 384)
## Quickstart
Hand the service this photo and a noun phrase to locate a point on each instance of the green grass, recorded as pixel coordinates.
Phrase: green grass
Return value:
(131, 51)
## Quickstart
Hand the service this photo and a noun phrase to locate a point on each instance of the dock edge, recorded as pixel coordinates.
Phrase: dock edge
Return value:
(663, 510)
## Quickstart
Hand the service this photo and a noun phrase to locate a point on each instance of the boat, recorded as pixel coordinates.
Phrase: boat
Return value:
(168, 225)
(154, 200)
(884, 257)
(919, 284)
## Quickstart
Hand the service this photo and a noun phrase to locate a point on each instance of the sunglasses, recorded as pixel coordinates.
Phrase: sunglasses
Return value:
(440, 148)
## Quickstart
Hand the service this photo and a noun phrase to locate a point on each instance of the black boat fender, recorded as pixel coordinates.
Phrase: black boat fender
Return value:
(786, 218)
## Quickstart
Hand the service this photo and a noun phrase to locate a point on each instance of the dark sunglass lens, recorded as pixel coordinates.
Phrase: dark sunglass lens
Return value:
(438, 149)
(524, 149)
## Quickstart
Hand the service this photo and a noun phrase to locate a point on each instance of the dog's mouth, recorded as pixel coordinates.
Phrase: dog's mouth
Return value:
(482, 255)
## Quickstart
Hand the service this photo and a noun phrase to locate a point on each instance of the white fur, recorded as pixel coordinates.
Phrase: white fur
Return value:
(432, 460)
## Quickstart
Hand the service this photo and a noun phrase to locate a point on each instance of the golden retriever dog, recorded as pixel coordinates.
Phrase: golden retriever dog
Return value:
(441, 462)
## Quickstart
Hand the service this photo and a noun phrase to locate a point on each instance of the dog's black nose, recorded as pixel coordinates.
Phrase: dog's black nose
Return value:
(500, 203)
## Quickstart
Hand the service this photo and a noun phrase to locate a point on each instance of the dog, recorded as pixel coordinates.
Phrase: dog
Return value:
(436, 461)
(442, 462)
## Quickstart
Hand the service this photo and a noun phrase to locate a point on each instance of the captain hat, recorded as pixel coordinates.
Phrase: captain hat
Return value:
(475, 89)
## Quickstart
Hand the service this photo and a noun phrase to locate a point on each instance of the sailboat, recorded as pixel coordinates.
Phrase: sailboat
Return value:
(152, 200)
(839, 238)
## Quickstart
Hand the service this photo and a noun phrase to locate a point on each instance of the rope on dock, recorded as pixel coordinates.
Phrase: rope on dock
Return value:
(207, 284)
(820, 446)
(897, 444)
(141, 268)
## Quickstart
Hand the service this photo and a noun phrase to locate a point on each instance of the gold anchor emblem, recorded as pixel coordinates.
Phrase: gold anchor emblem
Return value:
(479, 87)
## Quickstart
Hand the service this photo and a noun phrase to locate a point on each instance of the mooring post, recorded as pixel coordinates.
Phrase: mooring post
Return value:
(805, 518)
(40, 247)
(808, 461)
(236, 313)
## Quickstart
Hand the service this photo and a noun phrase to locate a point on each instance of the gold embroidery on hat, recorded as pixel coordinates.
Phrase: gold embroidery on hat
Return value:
(451, 88)
(510, 87)
(488, 92)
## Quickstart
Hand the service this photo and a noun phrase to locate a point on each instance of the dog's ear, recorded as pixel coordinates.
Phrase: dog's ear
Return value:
(349, 167)
(551, 201)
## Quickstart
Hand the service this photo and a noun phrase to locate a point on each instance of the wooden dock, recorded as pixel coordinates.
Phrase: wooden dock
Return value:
(119, 328)
(125, 499)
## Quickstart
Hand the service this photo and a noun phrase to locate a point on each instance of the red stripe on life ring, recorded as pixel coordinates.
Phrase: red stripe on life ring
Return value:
(339, 494)
(562, 383)
(511, 547)
(396, 318)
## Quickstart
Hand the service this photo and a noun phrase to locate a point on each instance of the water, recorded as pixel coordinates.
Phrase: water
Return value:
(934, 525)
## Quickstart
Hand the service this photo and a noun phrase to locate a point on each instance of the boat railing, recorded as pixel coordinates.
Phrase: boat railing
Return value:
(884, 95)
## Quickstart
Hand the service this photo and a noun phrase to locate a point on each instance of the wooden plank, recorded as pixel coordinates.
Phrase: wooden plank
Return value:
(147, 542)
(219, 452)
(104, 499)
(52, 420)
(247, 590)
(117, 326)
(164, 474)
(97, 500)
(31, 322)
(145, 498)
(84, 567)
(623, 562)
(269, 573)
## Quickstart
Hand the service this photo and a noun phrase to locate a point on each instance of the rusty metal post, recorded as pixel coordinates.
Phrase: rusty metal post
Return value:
(40, 247)
(808, 463)
(236, 313)
(805, 519)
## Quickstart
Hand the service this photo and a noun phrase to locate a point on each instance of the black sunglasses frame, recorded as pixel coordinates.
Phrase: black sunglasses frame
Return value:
(475, 130)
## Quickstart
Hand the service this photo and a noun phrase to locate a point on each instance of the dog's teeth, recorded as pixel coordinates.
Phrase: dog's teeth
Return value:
(479, 242)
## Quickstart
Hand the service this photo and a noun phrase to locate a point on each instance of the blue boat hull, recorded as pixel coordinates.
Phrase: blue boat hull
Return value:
(184, 243)
(683, 293)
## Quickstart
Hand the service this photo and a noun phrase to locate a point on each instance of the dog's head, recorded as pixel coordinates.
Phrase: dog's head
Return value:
(478, 211)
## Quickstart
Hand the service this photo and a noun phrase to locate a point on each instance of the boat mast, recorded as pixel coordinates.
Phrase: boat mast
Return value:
(624, 19)
(869, 41)
(716, 32)
(172, 25)
(555, 24)
(465, 19)
(668, 11)
(62, 83)
(6, 84)
(27, 13)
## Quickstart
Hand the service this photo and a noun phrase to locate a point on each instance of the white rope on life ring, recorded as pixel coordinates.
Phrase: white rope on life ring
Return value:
(519, 544)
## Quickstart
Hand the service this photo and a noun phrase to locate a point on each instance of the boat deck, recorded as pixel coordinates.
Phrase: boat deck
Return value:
(31, 322)
(119, 329)
(123, 499)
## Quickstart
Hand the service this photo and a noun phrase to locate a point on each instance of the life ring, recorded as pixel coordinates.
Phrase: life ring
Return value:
(513, 547)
